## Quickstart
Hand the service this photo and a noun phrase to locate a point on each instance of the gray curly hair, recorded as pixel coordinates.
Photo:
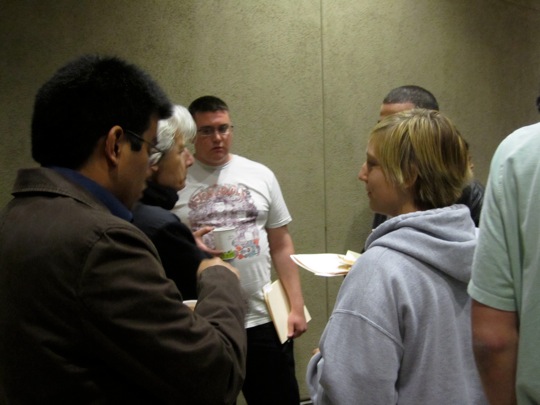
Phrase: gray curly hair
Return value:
(179, 122)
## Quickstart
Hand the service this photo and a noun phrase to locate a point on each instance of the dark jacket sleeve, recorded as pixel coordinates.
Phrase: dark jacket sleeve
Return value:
(136, 322)
(180, 256)
(473, 197)
(175, 244)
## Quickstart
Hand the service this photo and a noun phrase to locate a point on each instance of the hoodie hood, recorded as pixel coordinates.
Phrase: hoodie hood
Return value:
(442, 238)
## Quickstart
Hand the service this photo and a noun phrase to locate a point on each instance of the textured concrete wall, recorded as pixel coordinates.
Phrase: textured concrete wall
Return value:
(304, 80)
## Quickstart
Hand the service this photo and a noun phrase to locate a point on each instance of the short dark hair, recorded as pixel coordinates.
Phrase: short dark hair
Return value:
(83, 100)
(207, 104)
(420, 97)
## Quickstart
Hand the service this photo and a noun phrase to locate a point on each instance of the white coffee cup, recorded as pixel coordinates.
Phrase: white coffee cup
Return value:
(224, 241)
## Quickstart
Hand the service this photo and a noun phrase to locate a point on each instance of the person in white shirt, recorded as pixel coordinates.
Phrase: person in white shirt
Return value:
(223, 189)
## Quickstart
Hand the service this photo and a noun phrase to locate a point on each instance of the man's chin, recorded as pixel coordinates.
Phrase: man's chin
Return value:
(220, 158)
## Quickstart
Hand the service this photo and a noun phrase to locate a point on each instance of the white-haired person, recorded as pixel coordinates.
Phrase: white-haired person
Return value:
(174, 241)
(400, 329)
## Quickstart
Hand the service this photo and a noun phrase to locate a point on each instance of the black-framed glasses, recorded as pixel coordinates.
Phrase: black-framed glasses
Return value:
(223, 130)
(152, 148)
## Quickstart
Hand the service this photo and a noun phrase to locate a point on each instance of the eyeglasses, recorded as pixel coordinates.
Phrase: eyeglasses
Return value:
(152, 148)
(223, 130)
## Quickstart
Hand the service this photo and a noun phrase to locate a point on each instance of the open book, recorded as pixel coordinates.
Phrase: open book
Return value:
(326, 264)
(279, 308)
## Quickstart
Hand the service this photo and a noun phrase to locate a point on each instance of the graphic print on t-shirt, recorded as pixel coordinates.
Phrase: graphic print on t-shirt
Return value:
(227, 205)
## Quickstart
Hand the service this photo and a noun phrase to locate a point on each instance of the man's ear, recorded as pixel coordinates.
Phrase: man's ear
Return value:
(112, 144)
(154, 168)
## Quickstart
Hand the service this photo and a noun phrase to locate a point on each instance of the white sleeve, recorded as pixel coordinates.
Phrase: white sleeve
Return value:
(278, 214)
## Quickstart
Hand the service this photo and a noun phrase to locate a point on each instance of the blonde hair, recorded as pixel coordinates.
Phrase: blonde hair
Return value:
(423, 150)
(180, 121)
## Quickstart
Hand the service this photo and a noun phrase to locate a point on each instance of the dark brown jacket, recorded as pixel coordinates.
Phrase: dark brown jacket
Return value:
(87, 315)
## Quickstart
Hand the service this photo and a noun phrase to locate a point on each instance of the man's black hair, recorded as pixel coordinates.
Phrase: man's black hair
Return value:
(207, 104)
(420, 97)
(83, 100)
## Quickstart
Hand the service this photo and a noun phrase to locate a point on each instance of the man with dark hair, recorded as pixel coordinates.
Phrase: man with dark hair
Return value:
(87, 314)
(227, 190)
(405, 98)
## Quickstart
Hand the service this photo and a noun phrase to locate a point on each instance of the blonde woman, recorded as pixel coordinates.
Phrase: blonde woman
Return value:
(400, 329)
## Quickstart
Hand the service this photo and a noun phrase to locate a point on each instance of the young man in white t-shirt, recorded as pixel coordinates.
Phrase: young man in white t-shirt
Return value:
(223, 189)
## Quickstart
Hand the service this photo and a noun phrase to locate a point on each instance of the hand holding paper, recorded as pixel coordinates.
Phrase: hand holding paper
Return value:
(279, 308)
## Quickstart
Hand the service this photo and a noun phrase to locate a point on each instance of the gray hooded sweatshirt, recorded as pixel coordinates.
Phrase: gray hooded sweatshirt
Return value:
(400, 329)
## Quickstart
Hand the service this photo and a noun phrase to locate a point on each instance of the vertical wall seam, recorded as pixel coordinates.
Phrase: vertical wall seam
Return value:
(323, 122)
